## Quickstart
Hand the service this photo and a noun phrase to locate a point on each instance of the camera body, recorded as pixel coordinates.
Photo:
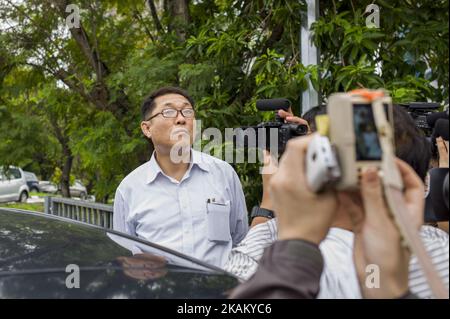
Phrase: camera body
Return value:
(322, 164)
(275, 134)
(360, 134)
(419, 111)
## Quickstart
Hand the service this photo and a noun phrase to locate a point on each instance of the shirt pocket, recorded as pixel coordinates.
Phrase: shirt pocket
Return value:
(218, 216)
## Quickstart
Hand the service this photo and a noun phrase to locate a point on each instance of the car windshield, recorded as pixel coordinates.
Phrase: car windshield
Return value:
(29, 241)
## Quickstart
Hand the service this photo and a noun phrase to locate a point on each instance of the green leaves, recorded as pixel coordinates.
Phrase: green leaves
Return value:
(196, 78)
(235, 53)
(360, 75)
(407, 52)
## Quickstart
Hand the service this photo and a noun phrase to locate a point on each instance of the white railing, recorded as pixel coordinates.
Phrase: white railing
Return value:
(88, 212)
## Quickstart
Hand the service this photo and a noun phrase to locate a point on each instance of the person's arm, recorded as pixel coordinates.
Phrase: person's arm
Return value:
(288, 269)
(244, 258)
(377, 236)
(271, 165)
(269, 168)
(442, 146)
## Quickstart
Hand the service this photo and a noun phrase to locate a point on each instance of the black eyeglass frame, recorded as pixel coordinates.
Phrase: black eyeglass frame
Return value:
(178, 111)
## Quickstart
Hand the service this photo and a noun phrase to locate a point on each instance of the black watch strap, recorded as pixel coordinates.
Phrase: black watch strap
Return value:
(261, 212)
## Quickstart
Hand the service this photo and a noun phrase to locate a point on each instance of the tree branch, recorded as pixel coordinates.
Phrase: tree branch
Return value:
(154, 14)
(139, 19)
(82, 39)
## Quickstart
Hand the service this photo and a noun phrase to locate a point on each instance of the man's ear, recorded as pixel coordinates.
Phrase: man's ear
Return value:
(145, 127)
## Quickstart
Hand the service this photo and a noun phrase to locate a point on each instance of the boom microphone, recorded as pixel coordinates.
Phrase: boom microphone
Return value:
(273, 104)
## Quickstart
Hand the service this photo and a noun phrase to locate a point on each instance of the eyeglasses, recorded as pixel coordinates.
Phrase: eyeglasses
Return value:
(173, 113)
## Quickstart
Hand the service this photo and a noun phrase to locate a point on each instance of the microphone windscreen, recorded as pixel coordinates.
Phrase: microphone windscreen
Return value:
(273, 104)
(433, 117)
(441, 129)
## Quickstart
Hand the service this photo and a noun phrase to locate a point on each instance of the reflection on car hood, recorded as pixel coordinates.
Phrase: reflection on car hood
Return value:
(35, 251)
(113, 283)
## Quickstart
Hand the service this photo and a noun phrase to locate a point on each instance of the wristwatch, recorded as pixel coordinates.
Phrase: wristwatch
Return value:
(261, 212)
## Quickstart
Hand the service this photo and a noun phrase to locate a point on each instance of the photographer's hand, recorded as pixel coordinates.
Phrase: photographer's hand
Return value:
(442, 146)
(377, 238)
(290, 118)
(301, 214)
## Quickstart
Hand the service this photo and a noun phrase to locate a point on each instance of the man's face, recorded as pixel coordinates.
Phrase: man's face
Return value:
(166, 132)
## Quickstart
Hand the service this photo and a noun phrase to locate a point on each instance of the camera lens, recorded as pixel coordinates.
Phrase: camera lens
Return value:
(301, 129)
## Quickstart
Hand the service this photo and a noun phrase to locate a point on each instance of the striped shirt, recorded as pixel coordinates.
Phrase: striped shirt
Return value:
(437, 246)
(339, 279)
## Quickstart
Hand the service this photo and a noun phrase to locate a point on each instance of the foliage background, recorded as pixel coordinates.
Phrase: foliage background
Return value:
(70, 99)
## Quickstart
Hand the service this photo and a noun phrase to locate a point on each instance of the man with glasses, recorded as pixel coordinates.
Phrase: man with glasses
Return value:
(181, 199)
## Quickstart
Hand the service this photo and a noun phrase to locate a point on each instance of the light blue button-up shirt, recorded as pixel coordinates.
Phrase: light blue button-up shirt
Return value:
(204, 215)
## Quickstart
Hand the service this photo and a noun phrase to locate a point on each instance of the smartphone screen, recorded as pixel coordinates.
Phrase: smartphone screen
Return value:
(367, 143)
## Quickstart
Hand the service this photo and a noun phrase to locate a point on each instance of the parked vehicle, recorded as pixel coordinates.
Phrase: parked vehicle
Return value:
(78, 190)
(13, 185)
(32, 181)
(47, 187)
(38, 252)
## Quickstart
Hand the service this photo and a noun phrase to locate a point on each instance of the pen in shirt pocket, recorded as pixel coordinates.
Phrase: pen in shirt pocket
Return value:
(213, 201)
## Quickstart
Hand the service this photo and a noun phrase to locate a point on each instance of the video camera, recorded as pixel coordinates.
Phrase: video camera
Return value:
(419, 111)
(277, 132)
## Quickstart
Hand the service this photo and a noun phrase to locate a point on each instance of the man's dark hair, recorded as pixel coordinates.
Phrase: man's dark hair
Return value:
(149, 101)
(310, 115)
(411, 145)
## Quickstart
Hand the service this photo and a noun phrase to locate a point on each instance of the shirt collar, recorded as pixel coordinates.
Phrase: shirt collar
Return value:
(153, 168)
(199, 159)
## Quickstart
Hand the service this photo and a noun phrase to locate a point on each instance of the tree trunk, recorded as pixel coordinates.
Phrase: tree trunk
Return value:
(65, 178)
(90, 186)
(178, 11)
(100, 93)
(61, 136)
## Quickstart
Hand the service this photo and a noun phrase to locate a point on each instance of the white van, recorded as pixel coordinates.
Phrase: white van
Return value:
(13, 185)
